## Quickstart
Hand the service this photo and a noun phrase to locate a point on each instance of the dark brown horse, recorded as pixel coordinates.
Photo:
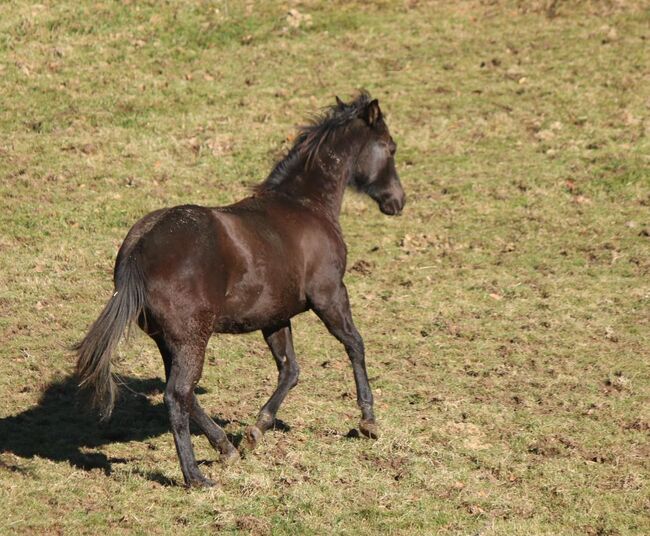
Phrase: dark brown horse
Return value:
(186, 272)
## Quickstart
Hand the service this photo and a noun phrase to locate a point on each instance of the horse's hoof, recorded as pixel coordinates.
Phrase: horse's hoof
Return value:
(253, 436)
(369, 429)
(230, 456)
(201, 482)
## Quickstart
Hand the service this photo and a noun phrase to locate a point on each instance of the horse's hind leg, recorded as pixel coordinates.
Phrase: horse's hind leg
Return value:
(215, 434)
(281, 344)
(184, 373)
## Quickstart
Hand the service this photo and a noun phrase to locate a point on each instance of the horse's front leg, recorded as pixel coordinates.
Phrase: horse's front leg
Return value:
(334, 310)
(281, 345)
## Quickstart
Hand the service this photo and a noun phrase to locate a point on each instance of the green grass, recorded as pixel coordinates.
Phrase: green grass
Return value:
(506, 313)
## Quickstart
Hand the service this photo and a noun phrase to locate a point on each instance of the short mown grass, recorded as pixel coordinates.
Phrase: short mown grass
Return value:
(506, 314)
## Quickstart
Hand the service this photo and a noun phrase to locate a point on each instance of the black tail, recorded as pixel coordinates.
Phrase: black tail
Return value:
(97, 347)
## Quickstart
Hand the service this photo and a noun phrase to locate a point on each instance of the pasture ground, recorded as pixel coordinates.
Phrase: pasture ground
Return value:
(506, 314)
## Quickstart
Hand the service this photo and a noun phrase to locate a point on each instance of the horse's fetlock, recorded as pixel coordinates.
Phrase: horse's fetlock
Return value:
(264, 420)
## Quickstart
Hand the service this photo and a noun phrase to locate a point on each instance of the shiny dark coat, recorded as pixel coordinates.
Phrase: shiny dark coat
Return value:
(186, 272)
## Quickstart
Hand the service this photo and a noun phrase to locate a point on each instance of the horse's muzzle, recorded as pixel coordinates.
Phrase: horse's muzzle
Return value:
(392, 206)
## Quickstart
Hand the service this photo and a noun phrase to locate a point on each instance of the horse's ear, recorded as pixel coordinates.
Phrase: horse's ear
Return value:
(371, 114)
(339, 102)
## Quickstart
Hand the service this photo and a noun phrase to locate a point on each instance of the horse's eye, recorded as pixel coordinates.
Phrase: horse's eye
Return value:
(392, 147)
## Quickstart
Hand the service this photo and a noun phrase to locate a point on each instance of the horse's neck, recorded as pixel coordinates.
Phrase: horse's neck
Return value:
(322, 183)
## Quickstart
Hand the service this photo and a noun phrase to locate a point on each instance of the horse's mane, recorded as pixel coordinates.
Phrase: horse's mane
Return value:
(311, 137)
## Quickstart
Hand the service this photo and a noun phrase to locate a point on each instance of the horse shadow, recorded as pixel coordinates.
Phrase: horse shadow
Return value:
(62, 428)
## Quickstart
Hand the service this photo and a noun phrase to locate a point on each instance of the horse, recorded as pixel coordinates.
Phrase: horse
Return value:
(186, 272)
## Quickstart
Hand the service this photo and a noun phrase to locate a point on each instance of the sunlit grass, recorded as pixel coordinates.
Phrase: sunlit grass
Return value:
(505, 313)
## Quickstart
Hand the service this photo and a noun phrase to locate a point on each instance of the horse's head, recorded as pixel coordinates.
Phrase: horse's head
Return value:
(375, 172)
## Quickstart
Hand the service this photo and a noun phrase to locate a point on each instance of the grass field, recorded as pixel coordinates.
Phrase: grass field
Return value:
(506, 314)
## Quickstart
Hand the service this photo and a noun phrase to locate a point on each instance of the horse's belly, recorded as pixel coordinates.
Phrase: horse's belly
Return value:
(258, 307)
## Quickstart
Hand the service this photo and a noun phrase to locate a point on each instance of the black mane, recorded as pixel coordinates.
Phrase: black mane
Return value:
(310, 138)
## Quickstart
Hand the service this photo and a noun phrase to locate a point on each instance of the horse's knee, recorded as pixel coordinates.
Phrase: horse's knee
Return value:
(355, 347)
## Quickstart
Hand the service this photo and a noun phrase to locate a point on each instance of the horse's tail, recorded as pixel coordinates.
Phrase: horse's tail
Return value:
(99, 344)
